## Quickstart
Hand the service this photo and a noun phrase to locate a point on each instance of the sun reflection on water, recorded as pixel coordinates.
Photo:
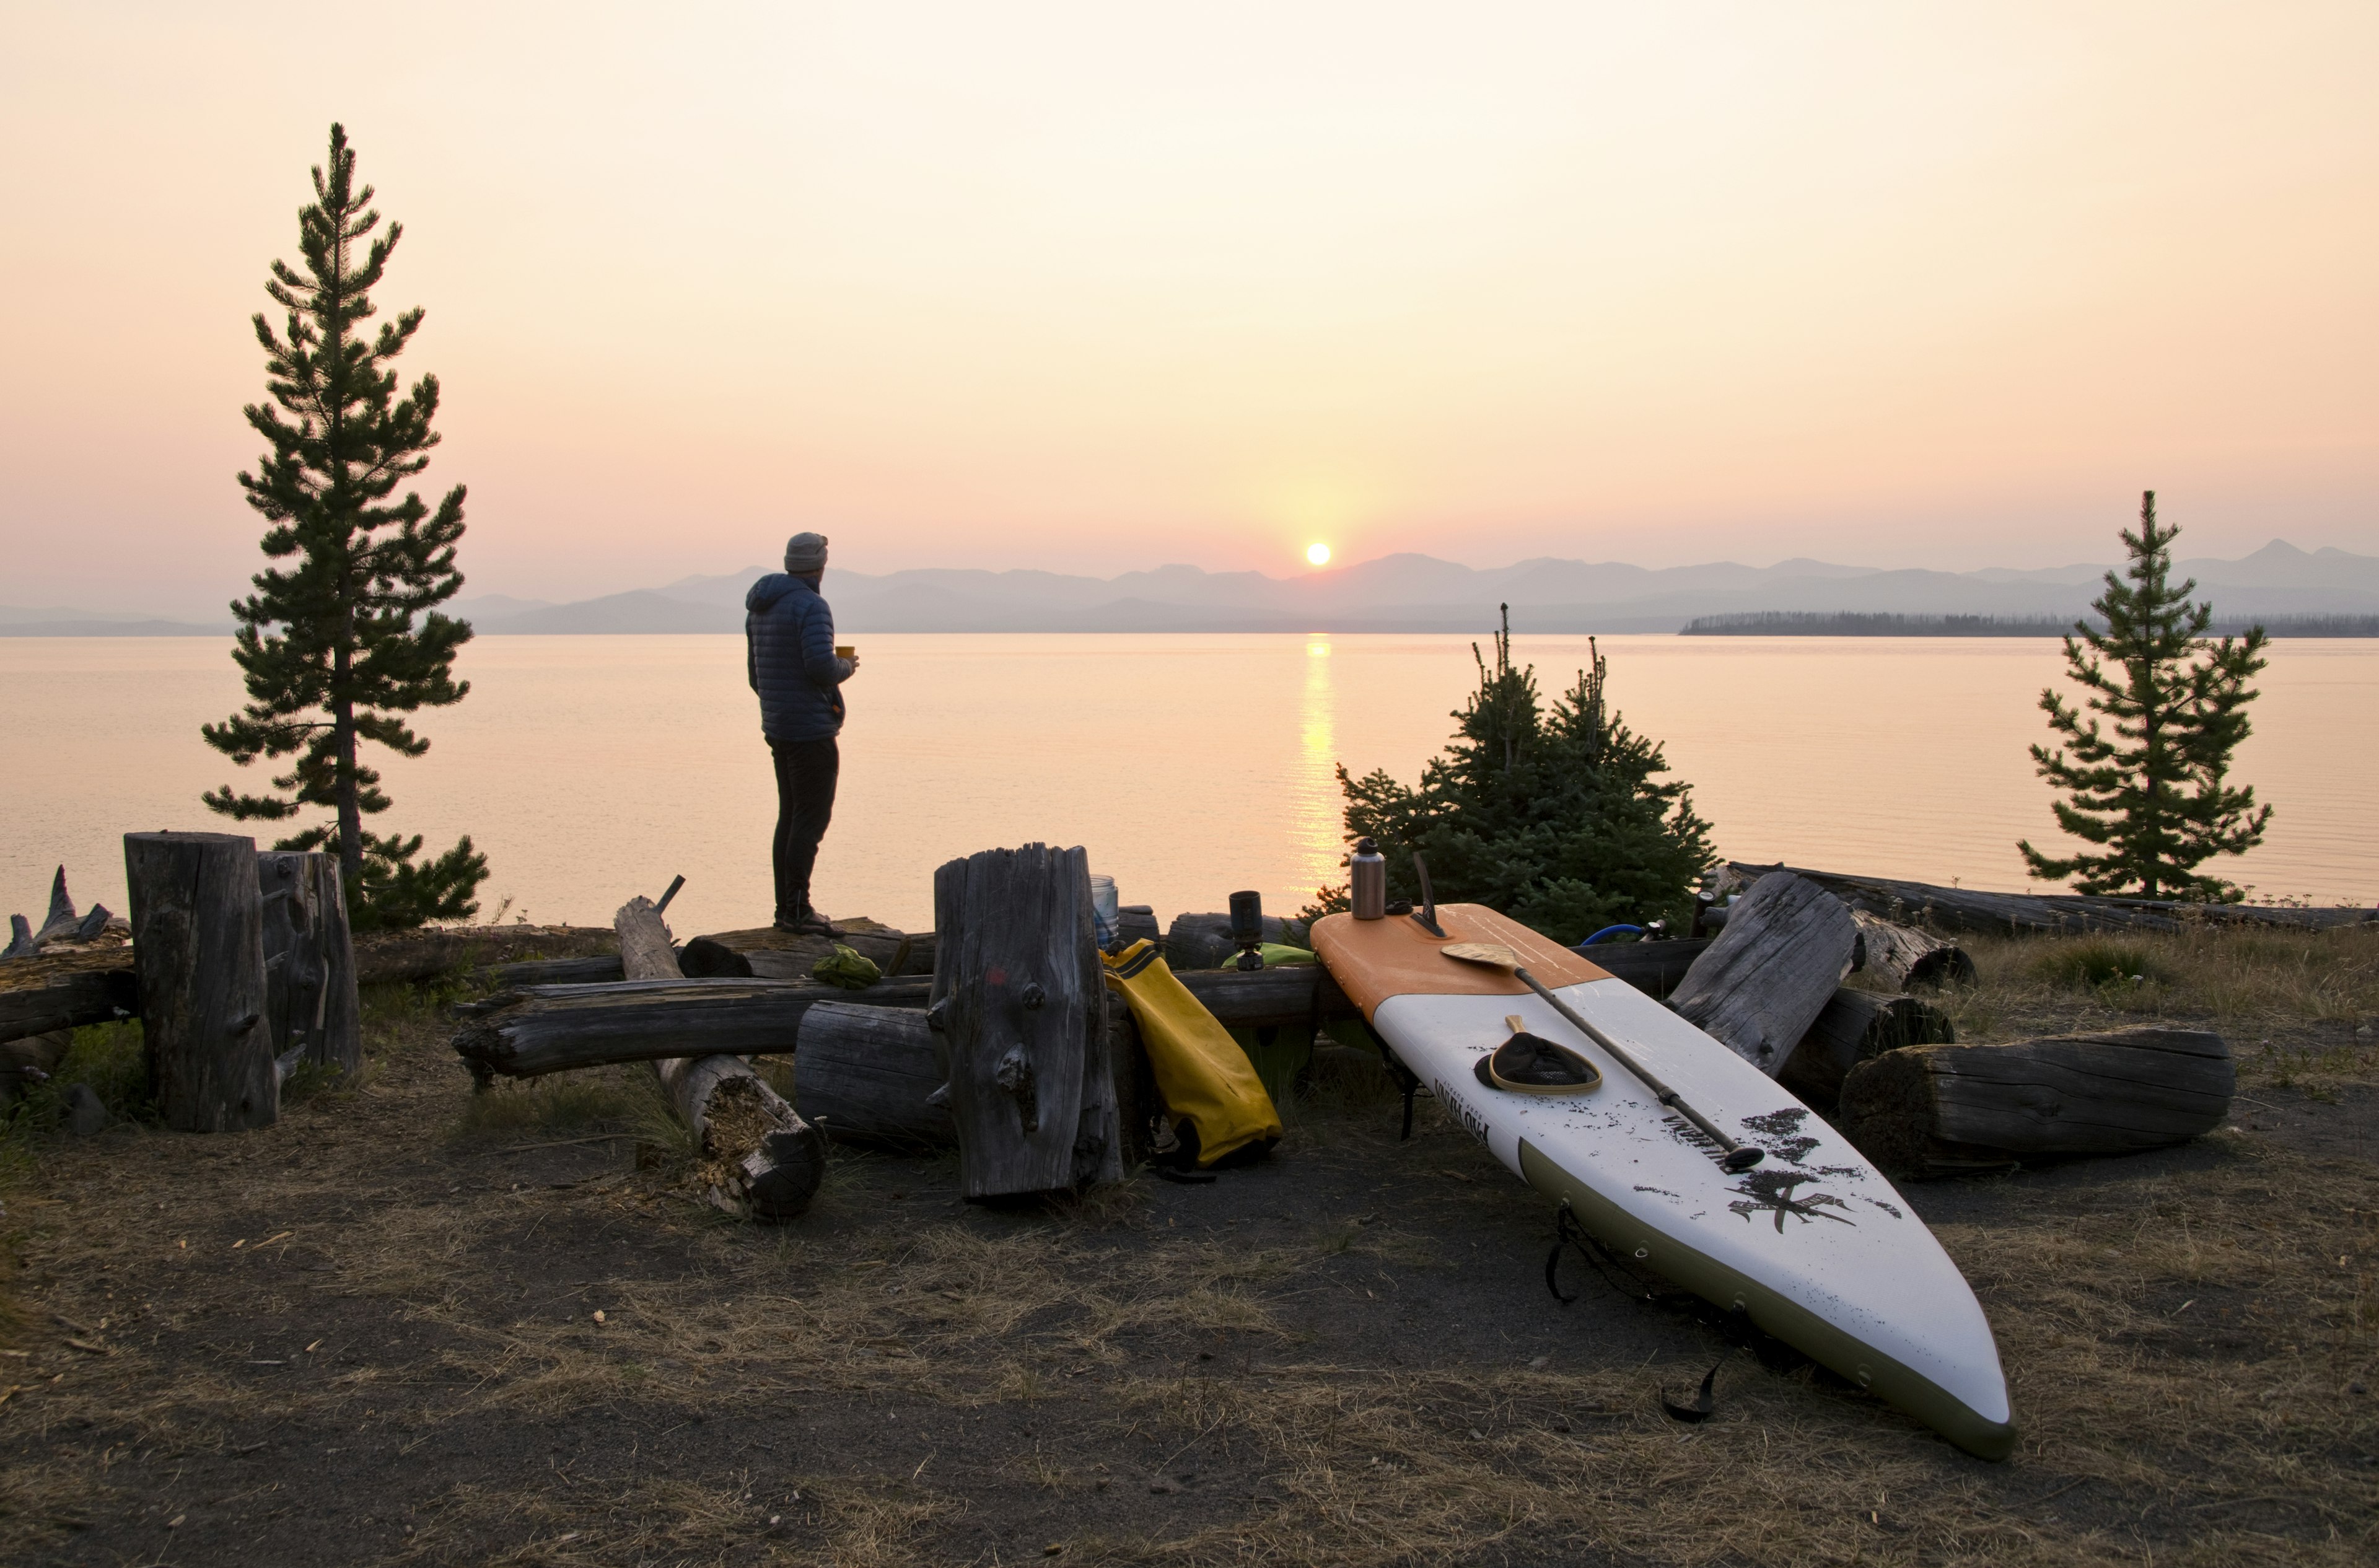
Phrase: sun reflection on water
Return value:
(1318, 842)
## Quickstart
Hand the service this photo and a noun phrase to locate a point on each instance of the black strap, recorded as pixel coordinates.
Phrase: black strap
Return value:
(1569, 1233)
(1704, 1403)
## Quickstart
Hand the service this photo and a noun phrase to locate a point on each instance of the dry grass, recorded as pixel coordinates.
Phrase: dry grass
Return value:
(2232, 975)
(411, 1275)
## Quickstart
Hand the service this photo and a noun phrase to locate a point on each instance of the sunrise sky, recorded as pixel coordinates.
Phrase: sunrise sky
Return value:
(1103, 285)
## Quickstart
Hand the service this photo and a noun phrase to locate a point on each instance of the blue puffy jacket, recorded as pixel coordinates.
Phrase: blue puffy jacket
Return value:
(789, 651)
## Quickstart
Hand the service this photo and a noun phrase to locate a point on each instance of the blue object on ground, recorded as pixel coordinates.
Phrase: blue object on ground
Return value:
(1607, 932)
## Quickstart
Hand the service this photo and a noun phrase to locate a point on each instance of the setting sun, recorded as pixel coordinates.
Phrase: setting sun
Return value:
(1318, 554)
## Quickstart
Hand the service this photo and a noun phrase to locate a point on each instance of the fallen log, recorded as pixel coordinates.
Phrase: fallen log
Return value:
(766, 953)
(1855, 1027)
(309, 961)
(1019, 1003)
(870, 1075)
(383, 957)
(57, 991)
(1903, 956)
(1268, 999)
(1938, 1110)
(1204, 941)
(1976, 913)
(554, 971)
(537, 1030)
(198, 946)
(756, 1156)
(1764, 979)
(1657, 969)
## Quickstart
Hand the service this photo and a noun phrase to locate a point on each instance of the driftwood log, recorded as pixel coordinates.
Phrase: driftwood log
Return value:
(67, 991)
(545, 1029)
(1019, 1007)
(2004, 914)
(1903, 956)
(1937, 1110)
(309, 961)
(1204, 941)
(61, 927)
(1764, 978)
(769, 954)
(757, 1157)
(1855, 1027)
(1657, 969)
(555, 971)
(198, 946)
(870, 1075)
(384, 957)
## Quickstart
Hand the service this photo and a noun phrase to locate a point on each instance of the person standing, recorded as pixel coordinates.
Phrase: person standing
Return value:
(789, 649)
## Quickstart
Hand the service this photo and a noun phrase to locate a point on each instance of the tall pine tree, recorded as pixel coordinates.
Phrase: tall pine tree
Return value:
(1557, 818)
(346, 639)
(2153, 793)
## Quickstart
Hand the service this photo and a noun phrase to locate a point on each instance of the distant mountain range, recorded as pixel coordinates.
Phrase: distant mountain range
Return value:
(1397, 593)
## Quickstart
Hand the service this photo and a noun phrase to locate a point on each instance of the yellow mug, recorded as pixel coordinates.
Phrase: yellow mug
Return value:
(846, 650)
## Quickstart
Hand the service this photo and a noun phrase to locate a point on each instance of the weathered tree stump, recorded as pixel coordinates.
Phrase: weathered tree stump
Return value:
(309, 960)
(1855, 1027)
(198, 945)
(757, 1157)
(1019, 1007)
(1905, 957)
(870, 1075)
(1764, 978)
(1937, 1110)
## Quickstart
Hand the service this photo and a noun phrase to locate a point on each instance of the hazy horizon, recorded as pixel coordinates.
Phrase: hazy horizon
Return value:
(1065, 287)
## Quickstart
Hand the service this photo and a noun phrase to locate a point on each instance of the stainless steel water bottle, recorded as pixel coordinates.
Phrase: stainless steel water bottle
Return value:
(1366, 881)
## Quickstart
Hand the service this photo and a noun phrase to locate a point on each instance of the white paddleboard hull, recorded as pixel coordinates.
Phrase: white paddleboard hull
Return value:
(1814, 1244)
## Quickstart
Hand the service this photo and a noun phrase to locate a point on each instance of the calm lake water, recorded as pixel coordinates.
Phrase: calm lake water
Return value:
(590, 768)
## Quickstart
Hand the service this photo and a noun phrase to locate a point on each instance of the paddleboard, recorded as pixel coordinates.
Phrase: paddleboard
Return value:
(1813, 1244)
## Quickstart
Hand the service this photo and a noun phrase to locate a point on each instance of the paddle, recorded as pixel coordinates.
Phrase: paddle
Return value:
(1737, 1157)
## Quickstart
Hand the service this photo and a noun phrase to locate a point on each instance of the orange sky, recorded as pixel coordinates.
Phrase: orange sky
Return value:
(1095, 287)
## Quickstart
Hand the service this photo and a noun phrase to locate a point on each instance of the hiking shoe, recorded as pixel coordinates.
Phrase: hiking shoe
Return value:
(808, 923)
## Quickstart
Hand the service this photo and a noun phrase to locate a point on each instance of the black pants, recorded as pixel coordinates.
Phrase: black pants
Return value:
(805, 778)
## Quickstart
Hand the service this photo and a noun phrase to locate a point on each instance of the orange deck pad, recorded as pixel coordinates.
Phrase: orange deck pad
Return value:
(1374, 959)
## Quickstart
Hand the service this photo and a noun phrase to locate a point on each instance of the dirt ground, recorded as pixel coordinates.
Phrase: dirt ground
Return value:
(407, 1326)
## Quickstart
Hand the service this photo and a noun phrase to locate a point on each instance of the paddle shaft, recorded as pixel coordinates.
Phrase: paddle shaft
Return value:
(1738, 1156)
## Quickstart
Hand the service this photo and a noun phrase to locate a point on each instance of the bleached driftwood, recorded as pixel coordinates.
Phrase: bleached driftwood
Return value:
(1765, 977)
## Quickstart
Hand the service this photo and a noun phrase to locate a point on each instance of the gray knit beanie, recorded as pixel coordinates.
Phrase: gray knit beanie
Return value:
(806, 553)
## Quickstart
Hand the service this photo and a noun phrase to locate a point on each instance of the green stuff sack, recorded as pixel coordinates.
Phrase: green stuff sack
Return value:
(847, 967)
(1206, 1080)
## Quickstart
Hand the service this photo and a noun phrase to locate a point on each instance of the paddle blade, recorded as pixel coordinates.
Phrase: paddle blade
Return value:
(1493, 953)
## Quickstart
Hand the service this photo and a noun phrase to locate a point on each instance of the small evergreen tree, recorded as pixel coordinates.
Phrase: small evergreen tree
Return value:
(2153, 792)
(1555, 818)
(340, 643)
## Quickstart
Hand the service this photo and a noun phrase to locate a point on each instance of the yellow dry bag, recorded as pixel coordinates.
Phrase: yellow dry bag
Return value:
(1206, 1080)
